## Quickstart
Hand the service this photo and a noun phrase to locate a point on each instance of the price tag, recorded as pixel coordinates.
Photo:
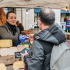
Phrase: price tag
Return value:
(17, 55)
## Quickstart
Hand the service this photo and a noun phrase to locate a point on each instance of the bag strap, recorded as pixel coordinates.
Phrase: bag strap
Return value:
(46, 46)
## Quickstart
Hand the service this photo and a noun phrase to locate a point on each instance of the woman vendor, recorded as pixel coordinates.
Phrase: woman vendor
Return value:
(9, 30)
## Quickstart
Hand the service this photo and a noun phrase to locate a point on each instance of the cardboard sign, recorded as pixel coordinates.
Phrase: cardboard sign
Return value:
(17, 55)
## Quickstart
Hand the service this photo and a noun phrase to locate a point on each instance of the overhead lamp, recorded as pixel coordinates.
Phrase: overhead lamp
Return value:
(26, 10)
(66, 9)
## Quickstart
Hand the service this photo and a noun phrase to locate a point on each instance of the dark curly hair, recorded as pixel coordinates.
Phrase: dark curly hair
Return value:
(9, 13)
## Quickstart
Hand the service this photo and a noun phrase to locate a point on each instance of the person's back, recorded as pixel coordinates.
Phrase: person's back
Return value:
(51, 34)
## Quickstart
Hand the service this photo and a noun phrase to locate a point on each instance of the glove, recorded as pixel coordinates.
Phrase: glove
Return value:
(22, 38)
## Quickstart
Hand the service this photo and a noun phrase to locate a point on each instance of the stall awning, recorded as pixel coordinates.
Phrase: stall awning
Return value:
(36, 10)
(64, 11)
(35, 3)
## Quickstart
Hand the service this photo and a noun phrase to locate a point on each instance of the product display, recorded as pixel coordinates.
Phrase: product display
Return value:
(26, 32)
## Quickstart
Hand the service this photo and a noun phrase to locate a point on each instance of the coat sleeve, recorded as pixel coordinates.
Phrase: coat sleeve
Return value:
(5, 35)
(35, 61)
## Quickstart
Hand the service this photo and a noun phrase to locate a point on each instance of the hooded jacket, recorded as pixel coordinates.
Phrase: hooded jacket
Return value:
(42, 47)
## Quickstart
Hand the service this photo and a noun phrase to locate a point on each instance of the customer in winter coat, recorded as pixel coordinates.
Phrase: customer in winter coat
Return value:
(9, 30)
(51, 34)
(20, 26)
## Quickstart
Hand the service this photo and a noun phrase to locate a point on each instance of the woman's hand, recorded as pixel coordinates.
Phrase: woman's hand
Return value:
(31, 37)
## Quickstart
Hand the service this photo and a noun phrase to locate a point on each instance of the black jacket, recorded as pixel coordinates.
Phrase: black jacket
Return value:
(21, 28)
(42, 47)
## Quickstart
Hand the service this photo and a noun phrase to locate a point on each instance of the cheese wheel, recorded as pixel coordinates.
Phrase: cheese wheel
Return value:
(21, 47)
(8, 51)
(5, 43)
(2, 66)
(18, 65)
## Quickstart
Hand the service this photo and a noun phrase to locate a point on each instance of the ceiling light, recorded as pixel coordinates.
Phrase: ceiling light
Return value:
(66, 9)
